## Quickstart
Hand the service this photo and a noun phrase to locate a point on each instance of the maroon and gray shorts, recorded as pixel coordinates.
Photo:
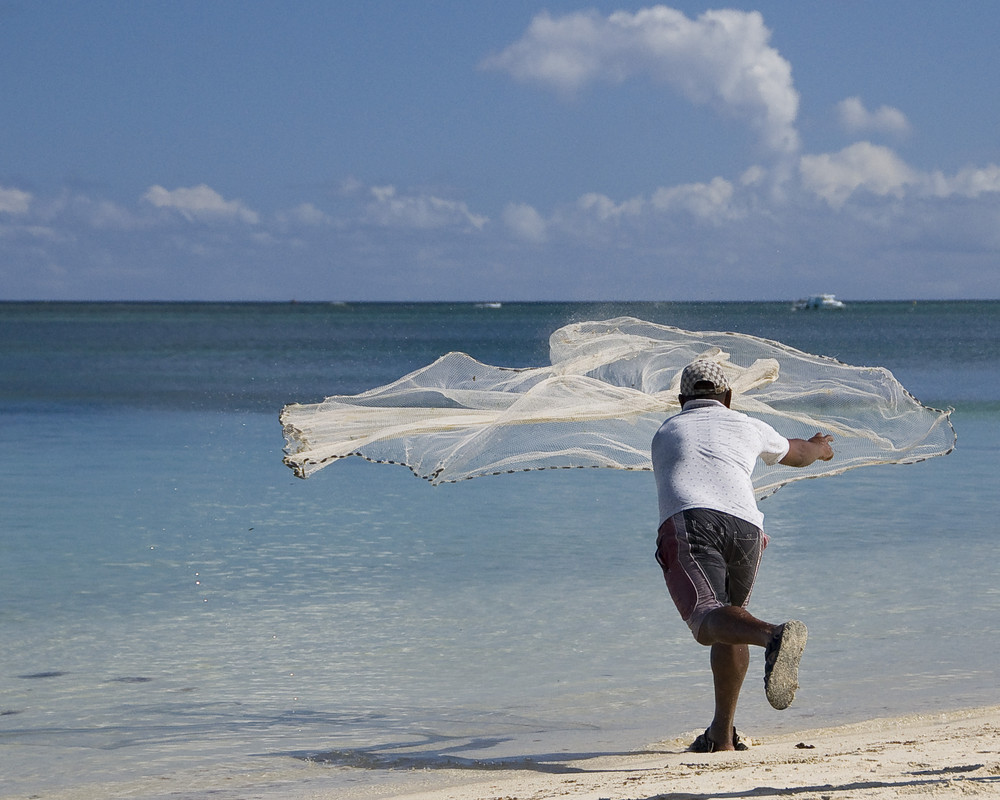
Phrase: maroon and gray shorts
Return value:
(709, 559)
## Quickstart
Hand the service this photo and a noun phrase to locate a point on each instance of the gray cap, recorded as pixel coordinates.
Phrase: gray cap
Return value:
(701, 378)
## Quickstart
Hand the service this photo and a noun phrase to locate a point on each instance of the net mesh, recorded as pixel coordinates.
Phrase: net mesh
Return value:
(609, 387)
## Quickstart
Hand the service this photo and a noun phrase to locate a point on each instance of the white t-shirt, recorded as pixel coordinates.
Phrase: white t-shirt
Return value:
(703, 458)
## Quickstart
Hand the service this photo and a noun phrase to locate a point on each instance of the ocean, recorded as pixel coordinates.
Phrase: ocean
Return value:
(181, 616)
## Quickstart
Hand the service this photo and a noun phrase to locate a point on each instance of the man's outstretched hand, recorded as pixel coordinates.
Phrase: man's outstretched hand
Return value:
(823, 440)
(803, 452)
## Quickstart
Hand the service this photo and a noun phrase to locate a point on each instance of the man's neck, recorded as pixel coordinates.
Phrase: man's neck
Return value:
(702, 402)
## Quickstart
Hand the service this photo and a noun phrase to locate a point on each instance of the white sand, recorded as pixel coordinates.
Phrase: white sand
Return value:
(948, 755)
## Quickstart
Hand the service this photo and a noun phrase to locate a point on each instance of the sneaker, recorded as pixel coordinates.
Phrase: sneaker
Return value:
(781, 663)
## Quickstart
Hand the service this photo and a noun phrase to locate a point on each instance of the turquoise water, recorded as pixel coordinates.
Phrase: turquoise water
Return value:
(176, 603)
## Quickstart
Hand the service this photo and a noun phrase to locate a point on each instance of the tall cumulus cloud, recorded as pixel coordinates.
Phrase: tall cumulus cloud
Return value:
(722, 59)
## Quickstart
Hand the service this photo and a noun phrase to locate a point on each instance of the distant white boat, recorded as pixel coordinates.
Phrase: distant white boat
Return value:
(818, 301)
(489, 305)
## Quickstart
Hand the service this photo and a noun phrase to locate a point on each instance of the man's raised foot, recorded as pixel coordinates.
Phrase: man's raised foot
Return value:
(781, 663)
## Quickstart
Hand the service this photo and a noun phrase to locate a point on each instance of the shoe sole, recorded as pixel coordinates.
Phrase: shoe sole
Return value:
(784, 678)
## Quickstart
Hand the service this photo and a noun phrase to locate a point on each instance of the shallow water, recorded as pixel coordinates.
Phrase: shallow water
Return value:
(176, 603)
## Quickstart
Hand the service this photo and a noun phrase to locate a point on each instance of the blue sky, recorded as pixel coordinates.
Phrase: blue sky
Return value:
(489, 150)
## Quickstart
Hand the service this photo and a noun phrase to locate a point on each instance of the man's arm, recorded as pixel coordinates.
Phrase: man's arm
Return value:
(803, 452)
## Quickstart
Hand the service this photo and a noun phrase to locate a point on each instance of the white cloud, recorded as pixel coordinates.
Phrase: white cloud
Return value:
(200, 203)
(862, 205)
(105, 214)
(606, 209)
(878, 170)
(836, 176)
(709, 201)
(969, 182)
(525, 222)
(855, 118)
(418, 211)
(42, 232)
(304, 214)
(351, 185)
(722, 59)
(14, 201)
(753, 176)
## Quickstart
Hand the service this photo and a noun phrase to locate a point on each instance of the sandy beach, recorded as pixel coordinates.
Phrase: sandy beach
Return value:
(941, 755)
(955, 754)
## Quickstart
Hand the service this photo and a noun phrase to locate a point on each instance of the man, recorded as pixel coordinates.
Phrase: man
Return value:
(710, 539)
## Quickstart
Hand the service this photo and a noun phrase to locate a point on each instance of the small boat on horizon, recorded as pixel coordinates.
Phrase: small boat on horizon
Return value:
(818, 301)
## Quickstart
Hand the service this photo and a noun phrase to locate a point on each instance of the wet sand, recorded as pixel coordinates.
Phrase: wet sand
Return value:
(948, 755)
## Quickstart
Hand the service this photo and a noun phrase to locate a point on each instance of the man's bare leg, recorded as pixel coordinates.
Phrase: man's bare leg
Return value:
(735, 625)
(729, 630)
(729, 668)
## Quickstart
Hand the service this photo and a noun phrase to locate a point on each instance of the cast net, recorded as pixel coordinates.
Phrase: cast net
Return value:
(609, 387)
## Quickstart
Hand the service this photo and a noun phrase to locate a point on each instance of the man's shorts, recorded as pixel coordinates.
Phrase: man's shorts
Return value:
(709, 559)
